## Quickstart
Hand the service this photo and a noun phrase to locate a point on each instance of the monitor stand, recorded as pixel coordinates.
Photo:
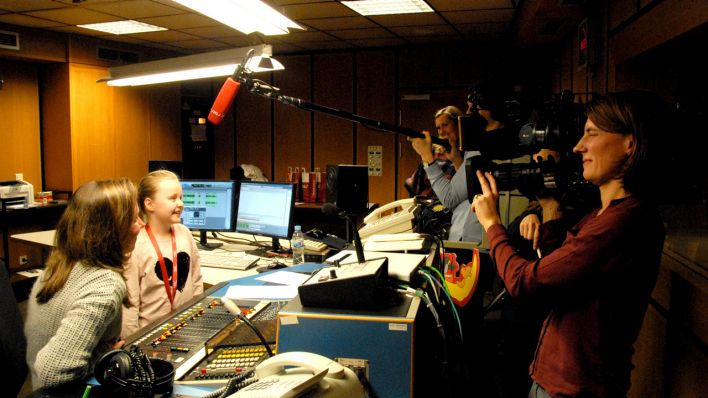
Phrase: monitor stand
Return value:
(203, 244)
(275, 250)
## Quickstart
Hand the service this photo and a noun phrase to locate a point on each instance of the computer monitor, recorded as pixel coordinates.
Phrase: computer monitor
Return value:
(266, 209)
(209, 205)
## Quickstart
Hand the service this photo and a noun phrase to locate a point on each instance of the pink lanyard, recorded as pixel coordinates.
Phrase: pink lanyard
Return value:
(165, 278)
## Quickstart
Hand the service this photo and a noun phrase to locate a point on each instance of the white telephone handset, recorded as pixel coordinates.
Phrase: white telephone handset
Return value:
(314, 371)
(396, 222)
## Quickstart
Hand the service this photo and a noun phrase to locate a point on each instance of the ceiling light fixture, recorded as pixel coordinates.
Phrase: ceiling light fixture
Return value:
(198, 66)
(386, 7)
(123, 27)
(247, 16)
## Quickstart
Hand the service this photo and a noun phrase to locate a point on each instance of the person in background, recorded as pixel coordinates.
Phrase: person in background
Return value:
(495, 136)
(164, 271)
(600, 278)
(418, 183)
(13, 345)
(74, 309)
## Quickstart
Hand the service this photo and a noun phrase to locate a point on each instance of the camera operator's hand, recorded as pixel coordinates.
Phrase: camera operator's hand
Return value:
(551, 208)
(486, 205)
(530, 228)
(454, 155)
(424, 147)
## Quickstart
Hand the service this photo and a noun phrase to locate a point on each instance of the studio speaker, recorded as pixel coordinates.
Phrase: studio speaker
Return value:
(348, 187)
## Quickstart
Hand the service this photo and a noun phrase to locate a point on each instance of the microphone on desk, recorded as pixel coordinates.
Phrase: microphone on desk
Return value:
(330, 209)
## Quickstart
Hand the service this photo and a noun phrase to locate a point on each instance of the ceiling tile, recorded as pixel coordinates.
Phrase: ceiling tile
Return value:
(430, 30)
(73, 15)
(24, 5)
(298, 37)
(164, 36)
(201, 44)
(457, 5)
(213, 32)
(364, 43)
(134, 9)
(434, 39)
(339, 23)
(479, 16)
(362, 33)
(277, 3)
(317, 10)
(326, 45)
(26, 20)
(182, 21)
(428, 18)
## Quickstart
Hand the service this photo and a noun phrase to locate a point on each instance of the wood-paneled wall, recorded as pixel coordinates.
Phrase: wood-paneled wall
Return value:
(88, 130)
(109, 131)
(19, 112)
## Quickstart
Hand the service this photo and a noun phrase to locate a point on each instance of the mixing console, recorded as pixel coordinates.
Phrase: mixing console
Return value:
(207, 344)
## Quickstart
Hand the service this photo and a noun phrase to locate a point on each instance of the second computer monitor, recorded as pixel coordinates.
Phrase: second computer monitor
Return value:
(266, 209)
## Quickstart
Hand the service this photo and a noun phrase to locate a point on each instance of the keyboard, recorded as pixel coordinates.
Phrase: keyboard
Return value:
(315, 246)
(229, 260)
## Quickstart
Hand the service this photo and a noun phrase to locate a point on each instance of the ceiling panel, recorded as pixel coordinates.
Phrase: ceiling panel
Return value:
(450, 5)
(362, 33)
(135, 9)
(29, 5)
(339, 23)
(328, 23)
(29, 21)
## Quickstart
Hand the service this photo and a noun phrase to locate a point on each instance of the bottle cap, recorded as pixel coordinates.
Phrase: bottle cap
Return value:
(298, 228)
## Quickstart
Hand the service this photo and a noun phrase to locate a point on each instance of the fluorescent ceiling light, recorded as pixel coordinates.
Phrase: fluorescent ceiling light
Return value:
(198, 66)
(123, 27)
(385, 7)
(247, 16)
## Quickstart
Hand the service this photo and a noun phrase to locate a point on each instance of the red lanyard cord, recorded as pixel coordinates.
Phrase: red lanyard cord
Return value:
(165, 278)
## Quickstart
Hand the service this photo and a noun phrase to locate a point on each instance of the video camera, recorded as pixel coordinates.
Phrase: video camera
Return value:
(557, 126)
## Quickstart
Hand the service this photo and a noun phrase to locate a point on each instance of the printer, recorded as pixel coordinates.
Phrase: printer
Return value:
(19, 193)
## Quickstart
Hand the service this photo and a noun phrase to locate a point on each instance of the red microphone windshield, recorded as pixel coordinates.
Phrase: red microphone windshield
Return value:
(223, 101)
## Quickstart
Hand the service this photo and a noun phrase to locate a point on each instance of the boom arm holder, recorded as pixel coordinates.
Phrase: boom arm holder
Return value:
(266, 90)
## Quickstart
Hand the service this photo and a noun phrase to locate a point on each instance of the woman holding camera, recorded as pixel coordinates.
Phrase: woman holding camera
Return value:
(599, 280)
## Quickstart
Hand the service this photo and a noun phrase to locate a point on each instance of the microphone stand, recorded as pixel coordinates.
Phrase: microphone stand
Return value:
(357, 240)
(266, 90)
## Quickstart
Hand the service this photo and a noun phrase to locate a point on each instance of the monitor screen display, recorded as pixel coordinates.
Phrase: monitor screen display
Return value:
(209, 205)
(266, 209)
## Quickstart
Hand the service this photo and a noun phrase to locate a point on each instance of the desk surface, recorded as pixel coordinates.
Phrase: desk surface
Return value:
(211, 276)
(44, 239)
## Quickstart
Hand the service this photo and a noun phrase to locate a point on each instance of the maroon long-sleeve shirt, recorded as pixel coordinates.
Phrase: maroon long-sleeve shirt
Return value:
(600, 280)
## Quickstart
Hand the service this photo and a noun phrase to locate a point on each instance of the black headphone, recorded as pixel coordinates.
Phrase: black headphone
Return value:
(132, 371)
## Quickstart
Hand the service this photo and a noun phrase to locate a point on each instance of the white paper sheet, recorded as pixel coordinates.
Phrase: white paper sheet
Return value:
(272, 292)
(284, 278)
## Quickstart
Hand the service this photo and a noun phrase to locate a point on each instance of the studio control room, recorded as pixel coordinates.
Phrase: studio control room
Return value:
(355, 199)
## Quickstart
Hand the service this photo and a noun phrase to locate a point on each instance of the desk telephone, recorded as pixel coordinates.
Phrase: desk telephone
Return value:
(401, 220)
(315, 375)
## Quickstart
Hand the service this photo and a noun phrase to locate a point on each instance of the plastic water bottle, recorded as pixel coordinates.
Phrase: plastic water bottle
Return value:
(297, 243)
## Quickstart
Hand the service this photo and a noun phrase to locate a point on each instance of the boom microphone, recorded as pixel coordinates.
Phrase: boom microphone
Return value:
(228, 92)
(223, 101)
